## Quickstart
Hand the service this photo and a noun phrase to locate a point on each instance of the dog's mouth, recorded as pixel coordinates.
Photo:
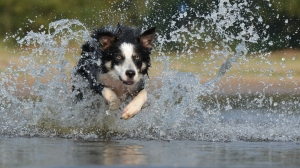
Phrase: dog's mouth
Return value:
(127, 82)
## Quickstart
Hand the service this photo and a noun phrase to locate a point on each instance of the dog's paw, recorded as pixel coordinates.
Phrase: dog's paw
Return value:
(114, 104)
(112, 99)
(131, 110)
(135, 105)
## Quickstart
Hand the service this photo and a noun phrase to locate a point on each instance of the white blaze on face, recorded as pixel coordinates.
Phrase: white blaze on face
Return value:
(127, 50)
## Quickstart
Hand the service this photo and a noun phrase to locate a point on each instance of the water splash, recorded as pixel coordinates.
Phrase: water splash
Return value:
(36, 97)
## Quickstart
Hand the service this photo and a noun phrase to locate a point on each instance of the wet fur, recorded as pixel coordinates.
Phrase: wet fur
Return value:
(114, 62)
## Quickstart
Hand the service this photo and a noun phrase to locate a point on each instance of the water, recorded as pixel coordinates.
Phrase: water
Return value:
(57, 152)
(184, 114)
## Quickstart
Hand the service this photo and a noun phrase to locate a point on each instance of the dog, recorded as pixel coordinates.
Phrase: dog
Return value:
(115, 62)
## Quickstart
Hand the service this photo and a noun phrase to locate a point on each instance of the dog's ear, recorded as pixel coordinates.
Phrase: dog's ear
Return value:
(147, 38)
(106, 40)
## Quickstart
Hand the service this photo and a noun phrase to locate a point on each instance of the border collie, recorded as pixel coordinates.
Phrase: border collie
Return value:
(114, 62)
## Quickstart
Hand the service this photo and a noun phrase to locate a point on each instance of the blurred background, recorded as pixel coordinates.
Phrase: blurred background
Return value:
(281, 16)
(192, 33)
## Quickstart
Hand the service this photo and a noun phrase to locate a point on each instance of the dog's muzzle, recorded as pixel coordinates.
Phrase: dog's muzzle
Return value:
(129, 77)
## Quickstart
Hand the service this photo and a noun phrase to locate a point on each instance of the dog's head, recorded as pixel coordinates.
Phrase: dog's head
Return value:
(125, 52)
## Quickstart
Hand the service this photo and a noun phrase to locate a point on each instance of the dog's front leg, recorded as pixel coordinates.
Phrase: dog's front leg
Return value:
(111, 98)
(135, 105)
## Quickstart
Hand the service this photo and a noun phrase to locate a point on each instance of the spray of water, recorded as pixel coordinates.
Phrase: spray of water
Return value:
(180, 106)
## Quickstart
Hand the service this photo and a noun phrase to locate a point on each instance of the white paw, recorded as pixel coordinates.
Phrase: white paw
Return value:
(135, 105)
(111, 98)
(131, 110)
(114, 104)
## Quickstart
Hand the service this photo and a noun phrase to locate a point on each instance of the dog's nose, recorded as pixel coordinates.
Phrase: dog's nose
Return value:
(130, 73)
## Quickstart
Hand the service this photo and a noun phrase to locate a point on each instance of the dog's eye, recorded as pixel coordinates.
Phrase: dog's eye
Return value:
(119, 57)
(136, 57)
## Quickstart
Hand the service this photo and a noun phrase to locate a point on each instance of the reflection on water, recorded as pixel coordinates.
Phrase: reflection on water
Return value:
(45, 152)
(108, 153)
(59, 152)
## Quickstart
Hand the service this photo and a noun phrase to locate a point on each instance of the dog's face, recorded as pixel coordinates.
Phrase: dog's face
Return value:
(126, 53)
(128, 64)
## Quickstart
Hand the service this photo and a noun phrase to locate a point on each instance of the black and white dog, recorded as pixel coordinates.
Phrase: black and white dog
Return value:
(115, 62)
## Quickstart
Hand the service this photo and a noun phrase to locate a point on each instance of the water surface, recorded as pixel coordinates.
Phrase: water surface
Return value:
(57, 152)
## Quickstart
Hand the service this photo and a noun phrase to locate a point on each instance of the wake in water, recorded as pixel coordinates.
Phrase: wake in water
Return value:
(180, 107)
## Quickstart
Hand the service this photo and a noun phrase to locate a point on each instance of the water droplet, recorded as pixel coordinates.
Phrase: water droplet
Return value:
(207, 39)
(290, 74)
(270, 43)
(108, 112)
(286, 21)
